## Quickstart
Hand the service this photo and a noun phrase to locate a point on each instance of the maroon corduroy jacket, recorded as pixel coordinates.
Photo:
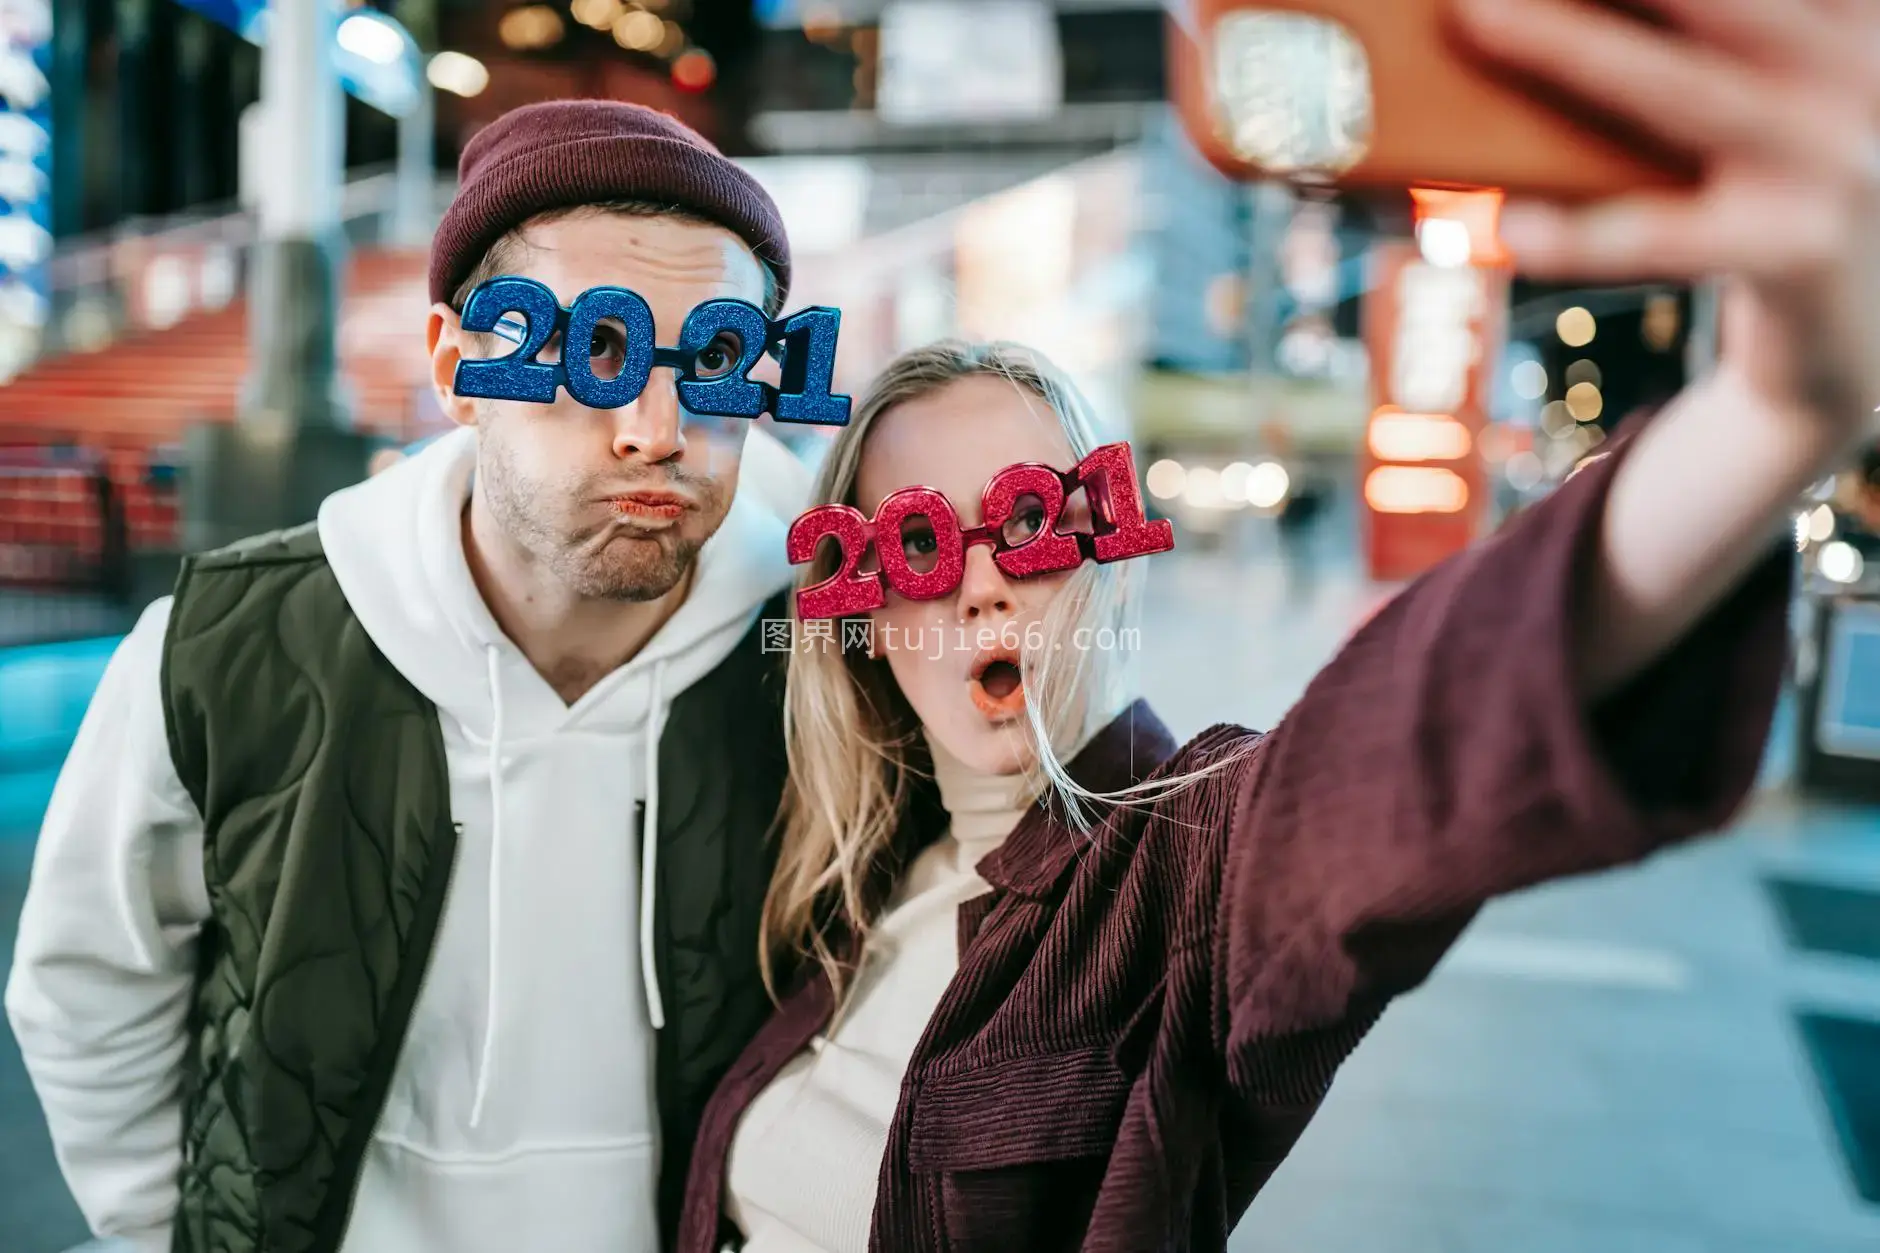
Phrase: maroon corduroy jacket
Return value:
(1143, 1024)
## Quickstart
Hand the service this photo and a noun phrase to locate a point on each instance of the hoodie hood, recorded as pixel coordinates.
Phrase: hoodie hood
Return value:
(395, 545)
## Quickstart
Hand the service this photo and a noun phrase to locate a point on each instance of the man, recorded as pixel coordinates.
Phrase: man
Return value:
(401, 890)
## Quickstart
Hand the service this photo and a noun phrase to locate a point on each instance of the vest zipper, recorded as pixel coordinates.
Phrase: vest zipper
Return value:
(670, 1201)
(349, 1160)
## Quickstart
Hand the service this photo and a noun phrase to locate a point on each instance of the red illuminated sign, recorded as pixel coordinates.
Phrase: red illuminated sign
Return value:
(1434, 322)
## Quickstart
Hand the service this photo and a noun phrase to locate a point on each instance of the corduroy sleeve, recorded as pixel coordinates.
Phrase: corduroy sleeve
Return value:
(1444, 757)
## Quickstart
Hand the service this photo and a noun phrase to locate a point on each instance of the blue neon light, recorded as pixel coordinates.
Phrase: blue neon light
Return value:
(391, 89)
(25, 163)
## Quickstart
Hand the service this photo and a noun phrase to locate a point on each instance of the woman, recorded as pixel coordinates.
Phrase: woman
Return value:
(1086, 987)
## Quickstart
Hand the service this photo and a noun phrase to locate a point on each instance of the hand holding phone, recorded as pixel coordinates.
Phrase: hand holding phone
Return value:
(1770, 109)
(1379, 95)
(1780, 102)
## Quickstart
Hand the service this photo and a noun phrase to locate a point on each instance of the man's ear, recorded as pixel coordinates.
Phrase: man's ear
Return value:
(446, 338)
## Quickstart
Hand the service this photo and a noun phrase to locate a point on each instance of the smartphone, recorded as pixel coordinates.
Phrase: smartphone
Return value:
(1380, 95)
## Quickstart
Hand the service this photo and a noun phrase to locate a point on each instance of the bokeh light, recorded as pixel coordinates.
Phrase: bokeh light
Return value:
(1524, 471)
(599, 14)
(457, 73)
(1841, 562)
(531, 28)
(1267, 485)
(694, 70)
(1203, 490)
(638, 31)
(1166, 479)
(1585, 402)
(1576, 327)
(1556, 419)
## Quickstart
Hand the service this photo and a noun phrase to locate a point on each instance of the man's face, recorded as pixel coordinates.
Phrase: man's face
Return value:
(612, 503)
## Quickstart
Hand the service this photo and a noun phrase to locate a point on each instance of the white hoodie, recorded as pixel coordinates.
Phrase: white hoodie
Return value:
(522, 1112)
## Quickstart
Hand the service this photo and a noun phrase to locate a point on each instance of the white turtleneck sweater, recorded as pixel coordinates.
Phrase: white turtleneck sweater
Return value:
(807, 1153)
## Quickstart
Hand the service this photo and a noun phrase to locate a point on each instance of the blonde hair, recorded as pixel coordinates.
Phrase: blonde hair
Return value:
(854, 742)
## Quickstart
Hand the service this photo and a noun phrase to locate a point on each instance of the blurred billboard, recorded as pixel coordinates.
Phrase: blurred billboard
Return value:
(25, 178)
(968, 61)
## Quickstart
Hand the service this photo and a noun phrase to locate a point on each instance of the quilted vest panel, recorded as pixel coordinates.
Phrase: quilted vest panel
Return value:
(320, 775)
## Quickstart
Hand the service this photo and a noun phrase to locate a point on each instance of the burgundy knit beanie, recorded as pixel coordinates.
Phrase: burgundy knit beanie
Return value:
(562, 153)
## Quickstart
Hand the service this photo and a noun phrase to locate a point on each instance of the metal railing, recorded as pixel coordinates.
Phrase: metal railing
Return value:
(1099, 125)
(64, 525)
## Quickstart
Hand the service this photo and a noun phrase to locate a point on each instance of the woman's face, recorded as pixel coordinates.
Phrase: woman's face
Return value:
(955, 658)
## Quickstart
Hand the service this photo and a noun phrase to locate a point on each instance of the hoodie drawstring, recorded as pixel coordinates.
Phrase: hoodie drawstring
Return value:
(496, 875)
(649, 867)
(649, 849)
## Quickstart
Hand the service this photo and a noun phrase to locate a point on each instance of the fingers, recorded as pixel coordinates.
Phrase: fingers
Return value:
(1762, 226)
(1692, 95)
(1834, 40)
(1621, 240)
(1752, 342)
(1848, 10)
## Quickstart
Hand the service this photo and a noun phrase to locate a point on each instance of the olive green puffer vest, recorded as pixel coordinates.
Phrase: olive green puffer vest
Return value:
(320, 775)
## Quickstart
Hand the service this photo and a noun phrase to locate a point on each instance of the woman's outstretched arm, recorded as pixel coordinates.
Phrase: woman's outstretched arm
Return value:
(1706, 488)
(1448, 755)
(1782, 100)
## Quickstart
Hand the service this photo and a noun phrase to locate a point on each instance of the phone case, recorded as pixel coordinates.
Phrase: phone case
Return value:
(1400, 103)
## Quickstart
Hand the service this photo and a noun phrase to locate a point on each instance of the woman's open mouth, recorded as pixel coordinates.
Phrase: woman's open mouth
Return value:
(997, 686)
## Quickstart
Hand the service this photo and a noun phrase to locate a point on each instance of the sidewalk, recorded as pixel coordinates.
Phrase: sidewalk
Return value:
(1600, 1066)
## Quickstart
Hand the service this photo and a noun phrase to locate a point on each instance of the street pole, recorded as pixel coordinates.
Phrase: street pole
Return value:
(414, 218)
(292, 443)
(1271, 209)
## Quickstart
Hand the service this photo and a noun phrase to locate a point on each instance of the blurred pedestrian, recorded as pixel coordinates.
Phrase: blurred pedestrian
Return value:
(1294, 526)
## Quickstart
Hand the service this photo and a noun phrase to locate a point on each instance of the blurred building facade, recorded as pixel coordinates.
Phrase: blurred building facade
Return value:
(986, 167)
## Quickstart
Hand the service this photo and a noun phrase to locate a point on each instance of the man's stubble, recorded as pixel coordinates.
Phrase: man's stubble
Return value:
(607, 560)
